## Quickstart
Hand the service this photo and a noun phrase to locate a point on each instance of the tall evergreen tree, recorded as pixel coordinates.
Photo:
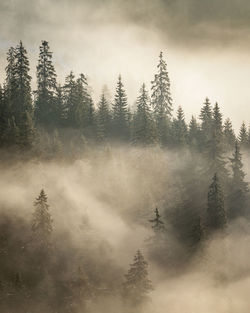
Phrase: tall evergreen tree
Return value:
(243, 137)
(217, 120)
(42, 221)
(216, 214)
(229, 136)
(137, 284)
(120, 112)
(103, 119)
(193, 133)
(22, 108)
(214, 149)
(144, 132)
(157, 223)
(179, 129)
(239, 188)
(162, 100)
(45, 106)
(206, 122)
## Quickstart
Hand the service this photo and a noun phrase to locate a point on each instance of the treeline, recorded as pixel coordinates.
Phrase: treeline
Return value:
(55, 116)
(40, 273)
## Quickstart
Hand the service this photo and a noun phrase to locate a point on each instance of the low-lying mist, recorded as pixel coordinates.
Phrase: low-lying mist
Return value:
(101, 205)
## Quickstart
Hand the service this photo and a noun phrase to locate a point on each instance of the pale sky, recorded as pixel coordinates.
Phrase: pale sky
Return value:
(205, 43)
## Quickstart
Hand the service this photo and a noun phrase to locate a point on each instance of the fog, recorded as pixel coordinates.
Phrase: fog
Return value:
(101, 205)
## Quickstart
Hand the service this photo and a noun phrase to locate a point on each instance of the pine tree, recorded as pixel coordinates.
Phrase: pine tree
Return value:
(22, 108)
(42, 221)
(60, 107)
(239, 188)
(79, 291)
(120, 112)
(144, 132)
(217, 120)
(193, 133)
(137, 285)
(76, 100)
(179, 129)
(214, 149)
(157, 223)
(103, 119)
(229, 136)
(45, 105)
(162, 100)
(243, 137)
(206, 122)
(216, 214)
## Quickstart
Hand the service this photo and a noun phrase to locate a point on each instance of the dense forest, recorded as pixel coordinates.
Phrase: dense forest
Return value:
(178, 186)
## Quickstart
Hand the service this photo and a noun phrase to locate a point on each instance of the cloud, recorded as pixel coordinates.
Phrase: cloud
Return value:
(181, 21)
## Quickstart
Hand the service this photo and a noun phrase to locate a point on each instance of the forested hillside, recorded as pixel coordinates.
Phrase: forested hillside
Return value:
(139, 195)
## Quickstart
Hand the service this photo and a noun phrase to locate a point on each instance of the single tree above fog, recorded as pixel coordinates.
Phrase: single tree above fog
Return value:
(120, 112)
(42, 221)
(162, 100)
(137, 285)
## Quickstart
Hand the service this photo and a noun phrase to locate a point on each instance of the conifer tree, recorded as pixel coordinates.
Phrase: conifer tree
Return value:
(42, 221)
(45, 106)
(239, 188)
(120, 112)
(137, 284)
(214, 149)
(162, 100)
(22, 108)
(216, 214)
(206, 122)
(243, 137)
(229, 136)
(80, 290)
(179, 129)
(157, 223)
(103, 119)
(60, 107)
(193, 133)
(144, 132)
(76, 100)
(217, 120)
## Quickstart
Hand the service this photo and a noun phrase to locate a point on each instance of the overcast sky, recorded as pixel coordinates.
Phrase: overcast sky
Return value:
(205, 42)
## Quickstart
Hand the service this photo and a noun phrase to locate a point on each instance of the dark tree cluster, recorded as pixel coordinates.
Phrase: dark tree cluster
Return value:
(53, 117)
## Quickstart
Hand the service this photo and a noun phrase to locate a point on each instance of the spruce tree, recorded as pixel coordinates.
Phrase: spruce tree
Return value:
(179, 129)
(157, 223)
(217, 120)
(216, 214)
(193, 133)
(243, 137)
(214, 149)
(23, 108)
(45, 106)
(103, 119)
(144, 132)
(60, 107)
(162, 100)
(120, 112)
(206, 122)
(42, 221)
(137, 284)
(229, 136)
(238, 187)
